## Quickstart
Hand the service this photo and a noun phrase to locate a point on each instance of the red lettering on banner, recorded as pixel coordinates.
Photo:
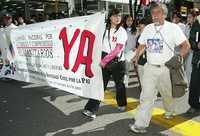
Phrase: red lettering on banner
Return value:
(66, 45)
(87, 60)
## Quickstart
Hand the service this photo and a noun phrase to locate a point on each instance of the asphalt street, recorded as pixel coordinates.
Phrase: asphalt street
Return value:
(33, 110)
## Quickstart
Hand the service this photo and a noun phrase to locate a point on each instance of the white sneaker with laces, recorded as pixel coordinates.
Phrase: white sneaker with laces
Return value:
(137, 129)
(122, 108)
(89, 114)
(168, 115)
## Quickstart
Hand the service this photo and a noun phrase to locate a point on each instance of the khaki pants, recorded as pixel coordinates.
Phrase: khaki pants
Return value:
(140, 72)
(155, 79)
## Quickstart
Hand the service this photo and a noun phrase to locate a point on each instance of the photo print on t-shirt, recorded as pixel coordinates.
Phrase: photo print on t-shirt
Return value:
(155, 45)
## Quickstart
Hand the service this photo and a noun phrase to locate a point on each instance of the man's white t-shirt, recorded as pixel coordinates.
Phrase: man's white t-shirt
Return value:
(116, 37)
(158, 38)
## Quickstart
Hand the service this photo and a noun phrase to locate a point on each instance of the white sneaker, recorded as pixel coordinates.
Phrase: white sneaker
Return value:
(137, 129)
(122, 108)
(89, 114)
(168, 115)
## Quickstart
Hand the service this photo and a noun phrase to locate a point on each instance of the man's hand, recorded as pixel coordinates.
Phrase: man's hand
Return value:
(135, 59)
(134, 49)
(180, 58)
(184, 48)
(102, 65)
(139, 51)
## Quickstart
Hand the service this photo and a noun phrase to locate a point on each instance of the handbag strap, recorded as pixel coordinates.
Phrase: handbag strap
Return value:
(109, 41)
(161, 35)
(172, 50)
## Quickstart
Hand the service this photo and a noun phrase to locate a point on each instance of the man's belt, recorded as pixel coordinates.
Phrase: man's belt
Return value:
(156, 65)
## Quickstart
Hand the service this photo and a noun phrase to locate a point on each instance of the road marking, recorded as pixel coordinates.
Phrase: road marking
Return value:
(180, 125)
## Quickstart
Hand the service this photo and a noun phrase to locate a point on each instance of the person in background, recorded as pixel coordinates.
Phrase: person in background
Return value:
(20, 21)
(191, 18)
(61, 16)
(194, 90)
(46, 17)
(40, 17)
(197, 13)
(176, 18)
(8, 21)
(130, 27)
(9, 50)
(15, 22)
(143, 58)
(33, 19)
(112, 62)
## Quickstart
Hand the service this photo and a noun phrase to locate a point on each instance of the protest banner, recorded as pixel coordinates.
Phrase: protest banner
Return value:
(62, 53)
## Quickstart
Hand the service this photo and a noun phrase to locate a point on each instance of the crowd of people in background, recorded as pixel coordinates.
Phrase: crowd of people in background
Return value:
(19, 20)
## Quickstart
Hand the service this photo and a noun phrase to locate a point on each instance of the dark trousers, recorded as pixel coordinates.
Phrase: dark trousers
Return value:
(194, 93)
(117, 72)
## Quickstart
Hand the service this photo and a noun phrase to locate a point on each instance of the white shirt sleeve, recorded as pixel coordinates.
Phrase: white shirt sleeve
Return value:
(179, 36)
(143, 37)
(122, 36)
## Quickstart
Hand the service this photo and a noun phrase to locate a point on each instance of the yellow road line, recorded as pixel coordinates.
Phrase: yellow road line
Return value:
(178, 124)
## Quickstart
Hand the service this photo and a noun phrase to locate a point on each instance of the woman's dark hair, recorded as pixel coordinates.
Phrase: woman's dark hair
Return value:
(112, 12)
(108, 22)
(143, 21)
(133, 26)
(177, 13)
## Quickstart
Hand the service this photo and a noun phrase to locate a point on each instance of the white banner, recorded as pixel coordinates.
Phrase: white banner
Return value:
(63, 53)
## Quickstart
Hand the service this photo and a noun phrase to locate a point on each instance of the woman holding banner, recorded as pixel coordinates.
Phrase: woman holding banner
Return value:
(112, 63)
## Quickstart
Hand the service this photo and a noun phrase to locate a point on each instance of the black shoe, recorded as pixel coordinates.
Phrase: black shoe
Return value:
(193, 111)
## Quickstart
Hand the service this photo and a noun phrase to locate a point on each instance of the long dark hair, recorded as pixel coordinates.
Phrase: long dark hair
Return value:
(133, 26)
(112, 12)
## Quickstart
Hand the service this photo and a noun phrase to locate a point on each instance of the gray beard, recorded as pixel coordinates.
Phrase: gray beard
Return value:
(157, 23)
